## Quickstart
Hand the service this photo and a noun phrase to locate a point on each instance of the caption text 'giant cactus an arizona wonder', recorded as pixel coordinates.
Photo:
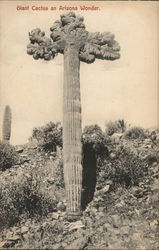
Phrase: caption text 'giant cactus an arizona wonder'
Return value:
(69, 37)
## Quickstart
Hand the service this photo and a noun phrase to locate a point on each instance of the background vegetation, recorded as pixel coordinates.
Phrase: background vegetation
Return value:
(34, 189)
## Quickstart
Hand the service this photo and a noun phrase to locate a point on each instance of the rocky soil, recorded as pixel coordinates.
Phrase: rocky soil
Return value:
(118, 217)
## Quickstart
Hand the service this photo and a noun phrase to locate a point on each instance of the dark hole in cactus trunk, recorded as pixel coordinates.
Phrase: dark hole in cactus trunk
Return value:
(89, 175)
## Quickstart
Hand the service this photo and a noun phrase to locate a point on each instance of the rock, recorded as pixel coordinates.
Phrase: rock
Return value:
(98, 198)
(155, 187)
(153, 136)
(115, 246)
(137, 211)
(64, 233)
(15, 229)
(15, 238)
(53, 154)
(2, 244)
(116, 220)
(24, 155)
(101, 209)
(79, 243)
(19, 149)
(28, 176)
(9, 234)
(24, 158)
(125, 230)
(75, 225)
(61, 206)
(100, 229)
(8, 244)
(148, 146)
(120, 204)
(116, 137)
(16, 166)
(32, 144)
(51, 181)
(114, 231)
(106, 188)
(155, 167)
(109, 182)
(154, 224)
(112, 156)
(99, 193)
(64, 202)
(147, 141)
(55, 216)
(26, 161)
(57, 246)
(137, 192)
(143, 157)
(45, 223)
(24, 229)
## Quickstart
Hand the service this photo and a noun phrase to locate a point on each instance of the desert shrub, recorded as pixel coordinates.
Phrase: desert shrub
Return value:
(94, 137)
(152, 158)
(128, 169)
(8, 156)
(125, 169)
(33, 192)
(48, 136)
(135, 133)
(118, 126)
(154, 135)
(55, 167)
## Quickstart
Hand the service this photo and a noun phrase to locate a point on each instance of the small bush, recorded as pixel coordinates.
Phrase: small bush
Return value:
(55, 168)
(32, 191)
(135, 133)
(125, 169)
(118, 126)
(94, 137)
(152, 158)
(48, 136)
(128, 169)
(8, 156)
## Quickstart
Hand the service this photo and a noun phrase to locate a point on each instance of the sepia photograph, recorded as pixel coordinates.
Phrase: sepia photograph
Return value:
(79, 125)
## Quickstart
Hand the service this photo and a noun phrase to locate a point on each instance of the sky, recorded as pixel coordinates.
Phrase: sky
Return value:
(123, 89)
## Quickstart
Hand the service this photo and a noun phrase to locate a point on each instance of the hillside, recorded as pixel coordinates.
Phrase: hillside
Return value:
(123, 208)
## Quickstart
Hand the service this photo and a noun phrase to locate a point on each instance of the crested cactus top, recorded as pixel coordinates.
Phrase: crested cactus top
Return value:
(70, 31)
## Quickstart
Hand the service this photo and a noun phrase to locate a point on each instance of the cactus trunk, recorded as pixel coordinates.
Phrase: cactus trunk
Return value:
(7, 124)
(72, 148)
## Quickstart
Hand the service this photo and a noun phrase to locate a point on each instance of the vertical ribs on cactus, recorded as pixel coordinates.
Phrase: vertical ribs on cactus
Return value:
(70, 38)
(7, 124)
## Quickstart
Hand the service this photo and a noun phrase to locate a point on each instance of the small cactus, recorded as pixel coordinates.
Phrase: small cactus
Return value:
(7, 124)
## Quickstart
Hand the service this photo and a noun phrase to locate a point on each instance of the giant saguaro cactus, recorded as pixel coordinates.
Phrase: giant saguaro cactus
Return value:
(69, 37)
(7, 124)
